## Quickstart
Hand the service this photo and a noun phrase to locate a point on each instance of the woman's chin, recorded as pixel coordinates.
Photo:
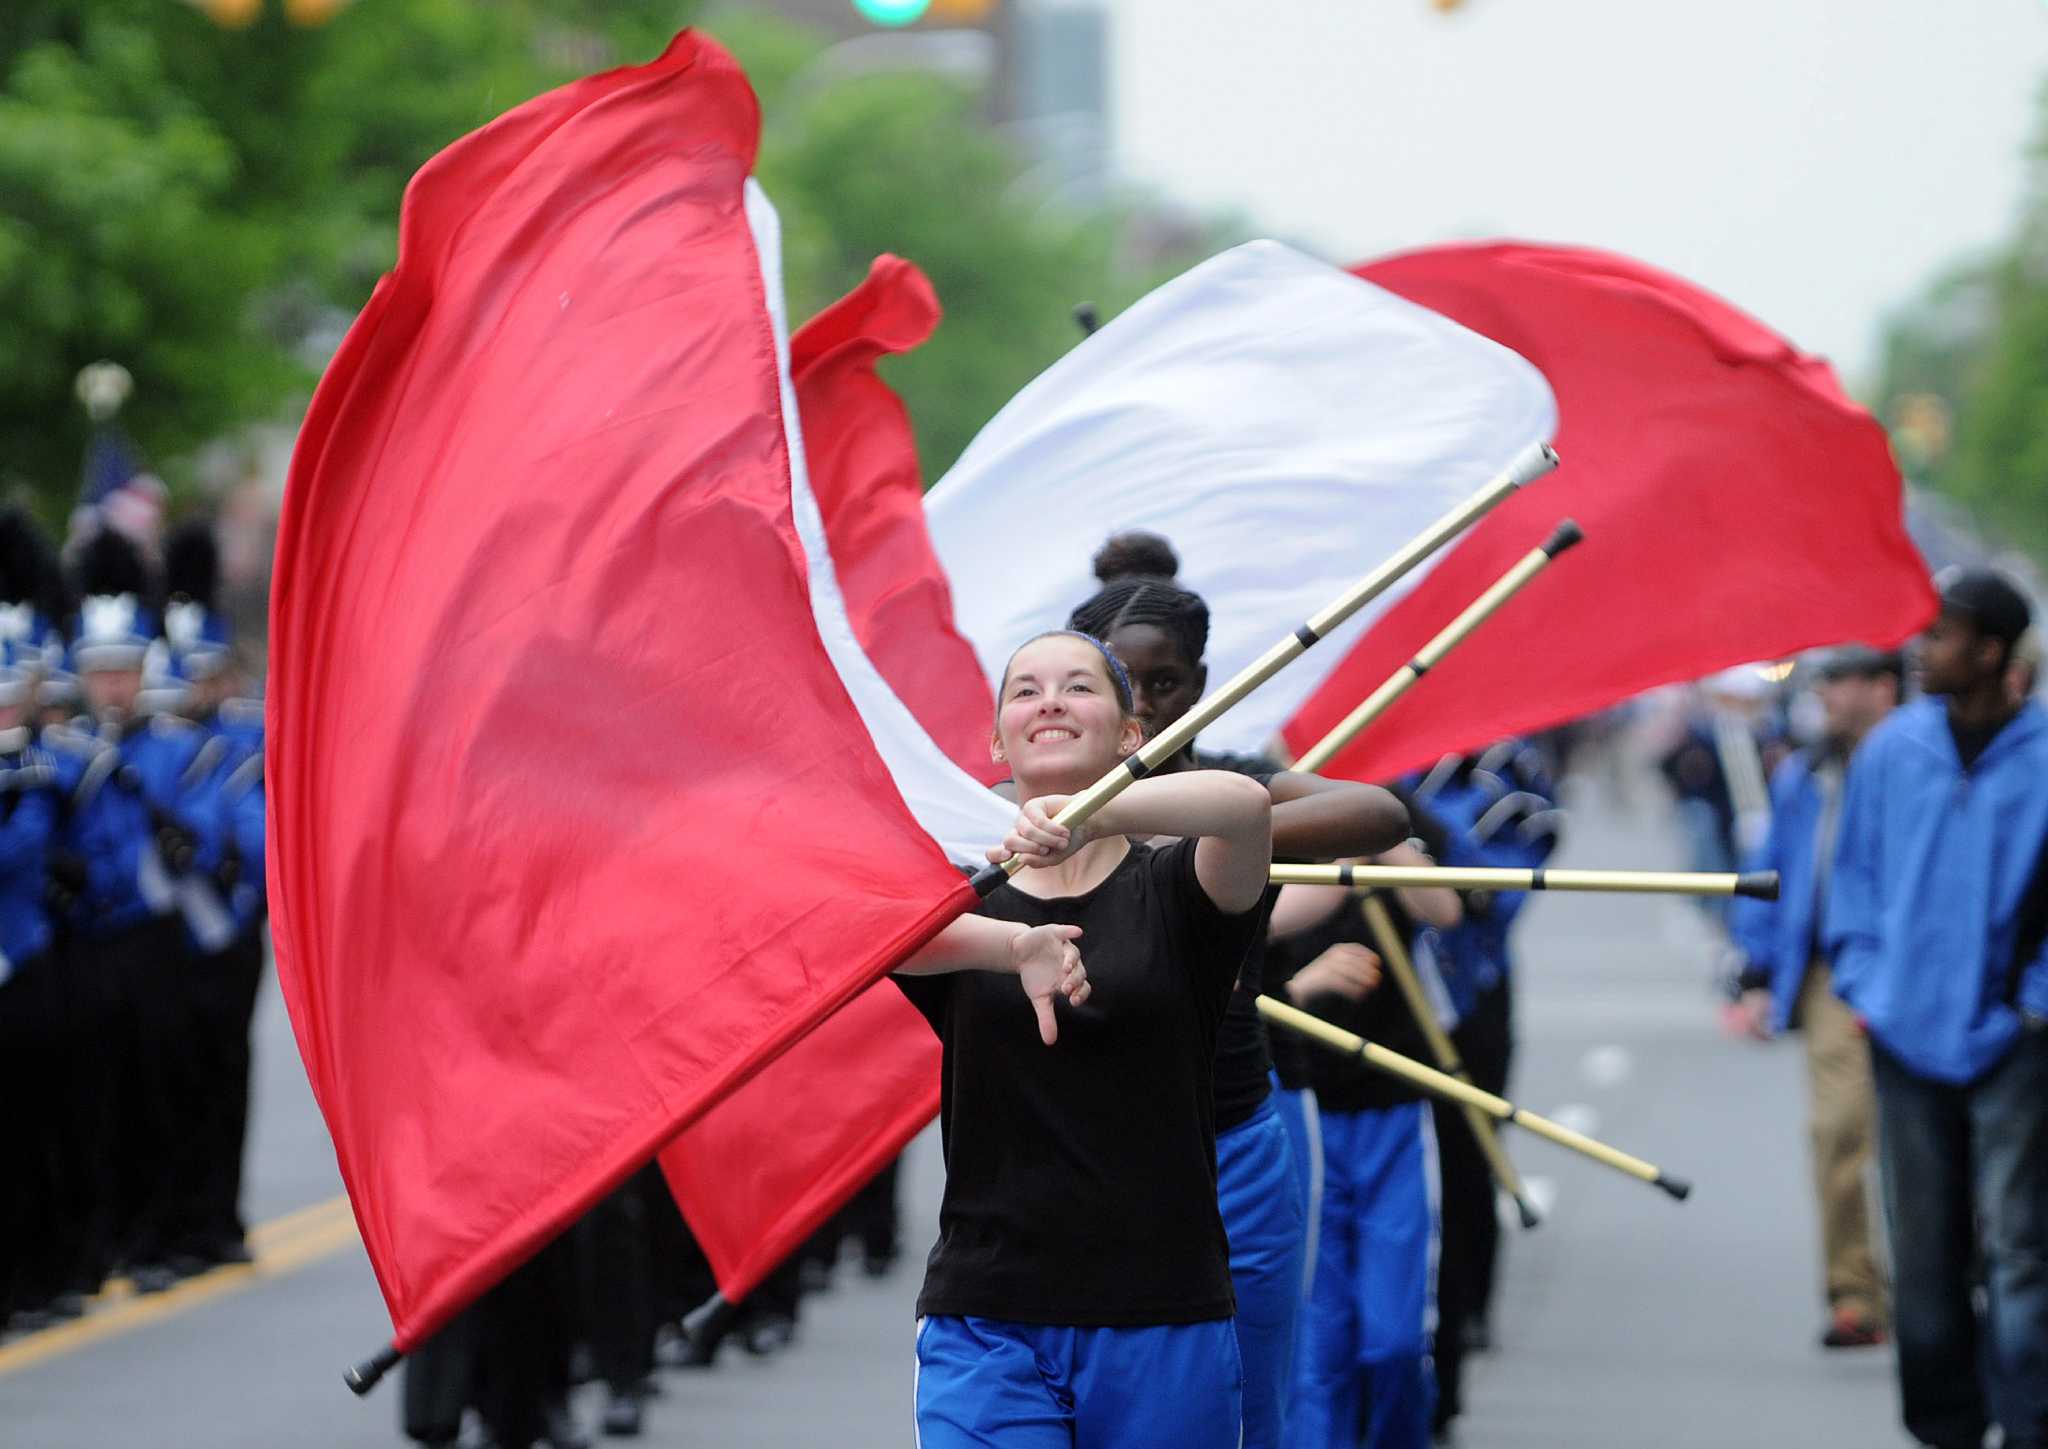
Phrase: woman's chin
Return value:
(1064, 768)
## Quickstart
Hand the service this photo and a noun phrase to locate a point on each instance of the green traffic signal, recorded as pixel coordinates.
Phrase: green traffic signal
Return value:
(892, 12)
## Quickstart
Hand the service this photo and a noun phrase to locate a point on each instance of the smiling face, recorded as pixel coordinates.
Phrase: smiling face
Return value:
(1059, 723)
(1165, 683)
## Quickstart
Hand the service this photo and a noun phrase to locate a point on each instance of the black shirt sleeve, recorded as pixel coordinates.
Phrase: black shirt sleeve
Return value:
(1212, 943)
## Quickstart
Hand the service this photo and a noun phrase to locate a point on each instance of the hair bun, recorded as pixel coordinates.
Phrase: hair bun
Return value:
(1135, 555)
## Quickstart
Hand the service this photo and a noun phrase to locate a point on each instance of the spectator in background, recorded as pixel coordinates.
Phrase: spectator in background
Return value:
(1786, 983)
(1936, 947)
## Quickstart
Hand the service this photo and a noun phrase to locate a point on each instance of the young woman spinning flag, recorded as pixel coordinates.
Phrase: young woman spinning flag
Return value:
(1080, 1290)
(1160, 632)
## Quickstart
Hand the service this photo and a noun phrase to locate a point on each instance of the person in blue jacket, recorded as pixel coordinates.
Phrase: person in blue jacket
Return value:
(1936, 948)
(1785, 981)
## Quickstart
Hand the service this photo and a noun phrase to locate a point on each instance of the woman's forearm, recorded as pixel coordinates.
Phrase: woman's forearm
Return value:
(1318, 819)
(969, 943)
(1193, 802)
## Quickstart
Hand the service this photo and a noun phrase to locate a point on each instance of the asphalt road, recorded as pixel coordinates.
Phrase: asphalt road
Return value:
(1627, 1319)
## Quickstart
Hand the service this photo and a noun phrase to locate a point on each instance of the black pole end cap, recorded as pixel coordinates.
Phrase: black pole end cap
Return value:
(1678, 1187)
(1759, 885)
(987, 879)
(1563, 537)
(1086, 319)
(1527, 1211)
(366, 1375)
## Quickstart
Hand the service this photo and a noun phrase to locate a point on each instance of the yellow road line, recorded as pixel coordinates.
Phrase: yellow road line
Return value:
(282, 1245)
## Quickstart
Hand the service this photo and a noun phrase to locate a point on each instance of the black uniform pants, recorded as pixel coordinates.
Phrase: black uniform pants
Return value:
(522, 1345)
(222, 998)
(618, 1251)
(32, 1121)
(1470, 1244)
(158, 1085)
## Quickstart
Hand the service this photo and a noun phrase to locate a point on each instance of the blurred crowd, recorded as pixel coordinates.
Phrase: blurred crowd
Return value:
(620, 1297)
(1903, 801)
(131, 914)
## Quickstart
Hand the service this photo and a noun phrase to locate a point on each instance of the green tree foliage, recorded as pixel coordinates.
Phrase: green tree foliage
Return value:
(1965, 379)
(198, 202)
(191, 200)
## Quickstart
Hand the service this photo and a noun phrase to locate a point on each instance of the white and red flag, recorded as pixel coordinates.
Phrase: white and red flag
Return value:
(1235, 392)
(586, 801)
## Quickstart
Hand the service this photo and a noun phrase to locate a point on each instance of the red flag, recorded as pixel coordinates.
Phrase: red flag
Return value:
(844, 1100)
(1737, 506)
(581, 810)
(863, 463)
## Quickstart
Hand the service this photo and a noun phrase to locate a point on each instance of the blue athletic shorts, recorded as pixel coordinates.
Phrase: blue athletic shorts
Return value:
(986, 1384)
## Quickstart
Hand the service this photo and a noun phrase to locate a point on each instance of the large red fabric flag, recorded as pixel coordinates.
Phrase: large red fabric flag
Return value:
(847, 1098)
(863, 464)
(1737, 506)
(582, 811)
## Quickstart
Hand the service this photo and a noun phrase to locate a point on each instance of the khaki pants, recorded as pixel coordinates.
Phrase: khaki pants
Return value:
(1841, 1118)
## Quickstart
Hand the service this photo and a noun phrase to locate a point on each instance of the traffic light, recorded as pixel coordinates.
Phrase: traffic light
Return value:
(909, 12)
(892, 12)
(231, 14)
(313, 13)
(241, 14)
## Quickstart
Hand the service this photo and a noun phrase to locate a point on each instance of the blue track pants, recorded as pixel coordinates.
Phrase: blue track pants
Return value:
(1364, 1376)
(1260, 1197)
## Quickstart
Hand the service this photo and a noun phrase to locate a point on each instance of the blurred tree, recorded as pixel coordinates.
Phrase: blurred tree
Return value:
(208, 205)
(1964, 386)
(194, 200)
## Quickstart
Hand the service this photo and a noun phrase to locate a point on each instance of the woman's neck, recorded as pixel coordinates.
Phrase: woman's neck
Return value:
(1078, 874)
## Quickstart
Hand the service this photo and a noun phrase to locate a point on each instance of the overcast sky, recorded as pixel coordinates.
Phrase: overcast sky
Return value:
(1815, 161)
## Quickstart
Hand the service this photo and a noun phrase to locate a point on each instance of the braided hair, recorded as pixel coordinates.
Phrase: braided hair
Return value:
(1178, 613)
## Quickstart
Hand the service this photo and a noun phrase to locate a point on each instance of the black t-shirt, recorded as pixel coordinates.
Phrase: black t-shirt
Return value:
(1345, 1084)
(1081, 1177)
(1243, 1057)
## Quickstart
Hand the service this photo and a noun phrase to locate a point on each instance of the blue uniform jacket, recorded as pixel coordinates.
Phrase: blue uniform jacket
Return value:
(28, 823)
(1490, 822)
(1780, 937)
(121, 792)
(1930, 873)
(220, 795)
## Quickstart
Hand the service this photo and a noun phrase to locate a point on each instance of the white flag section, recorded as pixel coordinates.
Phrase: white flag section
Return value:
(1285, 424)
(954, 808)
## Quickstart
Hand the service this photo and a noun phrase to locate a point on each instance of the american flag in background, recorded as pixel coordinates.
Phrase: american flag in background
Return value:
(117, 491)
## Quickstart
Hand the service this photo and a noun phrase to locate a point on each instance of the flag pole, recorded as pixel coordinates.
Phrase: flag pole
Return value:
(1530, 464)
(1759, 885)
(1453, 634)
(1395, 953)
(1437, 1084)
